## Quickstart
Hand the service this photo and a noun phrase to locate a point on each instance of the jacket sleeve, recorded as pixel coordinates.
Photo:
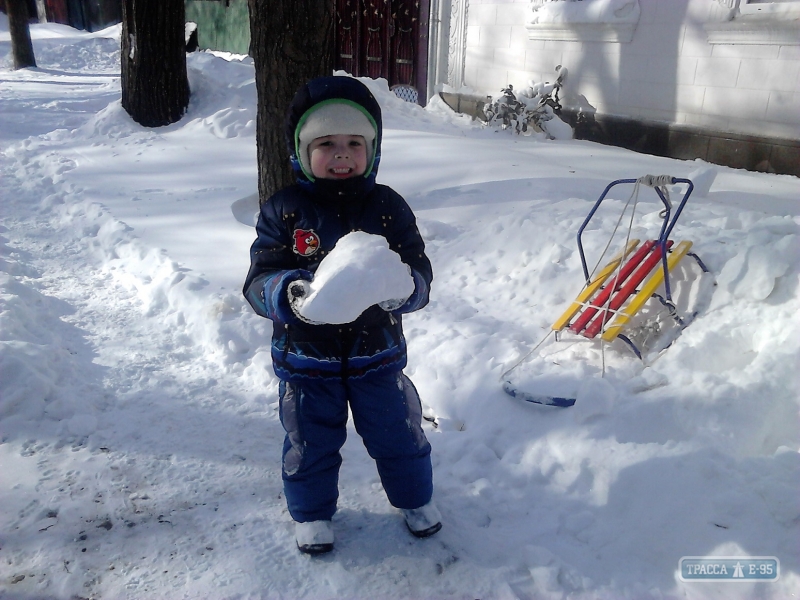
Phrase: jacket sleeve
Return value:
(406, 240)
(272, 267)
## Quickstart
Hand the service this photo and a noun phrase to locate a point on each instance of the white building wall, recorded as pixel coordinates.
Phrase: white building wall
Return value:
(668, 72)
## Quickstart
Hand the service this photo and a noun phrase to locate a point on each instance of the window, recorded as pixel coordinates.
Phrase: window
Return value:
(769, 7)
(763, 22)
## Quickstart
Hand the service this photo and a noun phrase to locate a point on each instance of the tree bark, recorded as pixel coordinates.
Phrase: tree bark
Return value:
(155, 87)
(291, 41)
(21, 46)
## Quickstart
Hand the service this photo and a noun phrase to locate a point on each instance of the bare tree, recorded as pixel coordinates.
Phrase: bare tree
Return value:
(155, 87)
(291, 41)
(21, 45)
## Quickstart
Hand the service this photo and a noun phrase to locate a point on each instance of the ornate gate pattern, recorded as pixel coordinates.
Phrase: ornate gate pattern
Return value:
(383, 38)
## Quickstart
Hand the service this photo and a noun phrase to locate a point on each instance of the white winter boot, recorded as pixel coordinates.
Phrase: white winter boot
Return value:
(314, 537)
(423, 521)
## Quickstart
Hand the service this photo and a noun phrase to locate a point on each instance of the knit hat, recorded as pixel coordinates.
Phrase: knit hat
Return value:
(332, 117)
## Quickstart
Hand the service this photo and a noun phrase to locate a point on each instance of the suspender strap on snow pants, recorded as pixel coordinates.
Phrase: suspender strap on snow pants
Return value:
(387, 415)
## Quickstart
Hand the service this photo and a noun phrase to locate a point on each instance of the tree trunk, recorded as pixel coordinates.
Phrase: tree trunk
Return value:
(21, 45)
(155, 88)
(291, 41)
(41, 11)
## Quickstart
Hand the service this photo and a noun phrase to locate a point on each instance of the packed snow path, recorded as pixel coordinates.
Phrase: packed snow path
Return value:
(151, 473)
(139, 437)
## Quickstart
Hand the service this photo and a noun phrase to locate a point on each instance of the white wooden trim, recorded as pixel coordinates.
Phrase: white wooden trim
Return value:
(457, 51)
(616, 33)
(754, 31)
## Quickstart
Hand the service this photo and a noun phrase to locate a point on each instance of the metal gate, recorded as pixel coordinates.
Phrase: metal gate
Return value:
(385, 38)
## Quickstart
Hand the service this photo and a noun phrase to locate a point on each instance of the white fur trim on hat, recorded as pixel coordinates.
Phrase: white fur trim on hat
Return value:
(332, 119)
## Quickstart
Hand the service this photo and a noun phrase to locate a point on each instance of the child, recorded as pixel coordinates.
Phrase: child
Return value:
(333, 131)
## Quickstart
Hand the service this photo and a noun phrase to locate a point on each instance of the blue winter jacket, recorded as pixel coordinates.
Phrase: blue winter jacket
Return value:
(290, 221)
(298, 226)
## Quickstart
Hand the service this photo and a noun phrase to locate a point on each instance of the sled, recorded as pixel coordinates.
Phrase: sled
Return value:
(610, 301)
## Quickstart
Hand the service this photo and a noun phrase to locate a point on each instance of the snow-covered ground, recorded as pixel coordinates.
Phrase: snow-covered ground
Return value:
(139, 437)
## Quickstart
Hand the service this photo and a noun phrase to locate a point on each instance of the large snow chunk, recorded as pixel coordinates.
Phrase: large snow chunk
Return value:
(360, 271)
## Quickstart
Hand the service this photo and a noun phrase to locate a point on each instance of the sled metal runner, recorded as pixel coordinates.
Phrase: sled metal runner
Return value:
(613, 296)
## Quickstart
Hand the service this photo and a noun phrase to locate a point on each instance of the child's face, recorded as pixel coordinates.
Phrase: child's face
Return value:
(338, 156)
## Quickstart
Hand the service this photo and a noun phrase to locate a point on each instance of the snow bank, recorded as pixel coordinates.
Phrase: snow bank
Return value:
(28, 372)
(93, 52)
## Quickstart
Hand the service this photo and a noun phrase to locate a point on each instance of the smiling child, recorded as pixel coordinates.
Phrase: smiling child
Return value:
(334, 137)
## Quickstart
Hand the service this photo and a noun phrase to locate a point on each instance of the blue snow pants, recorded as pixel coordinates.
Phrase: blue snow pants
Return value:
(387, 414)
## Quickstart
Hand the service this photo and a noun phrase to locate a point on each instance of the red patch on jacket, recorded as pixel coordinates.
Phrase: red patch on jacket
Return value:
(306, 242)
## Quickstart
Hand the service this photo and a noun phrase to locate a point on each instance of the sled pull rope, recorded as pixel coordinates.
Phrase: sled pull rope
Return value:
(524, 357)
(634, 197)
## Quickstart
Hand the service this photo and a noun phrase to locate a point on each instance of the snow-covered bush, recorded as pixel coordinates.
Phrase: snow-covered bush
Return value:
(534, 109)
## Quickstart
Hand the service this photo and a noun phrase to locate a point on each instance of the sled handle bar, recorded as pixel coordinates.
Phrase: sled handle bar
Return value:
(669, 221)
